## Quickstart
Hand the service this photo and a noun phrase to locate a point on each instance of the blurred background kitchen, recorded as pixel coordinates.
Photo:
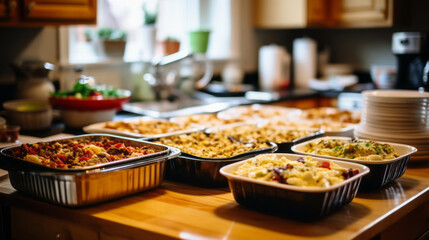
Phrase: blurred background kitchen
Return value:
(259, 45)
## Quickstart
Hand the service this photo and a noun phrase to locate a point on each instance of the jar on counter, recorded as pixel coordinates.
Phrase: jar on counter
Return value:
(8, 133)
(32, 79)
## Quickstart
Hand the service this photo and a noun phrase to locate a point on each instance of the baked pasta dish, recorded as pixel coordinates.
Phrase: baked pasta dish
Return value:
(353, 149)
(325, 125)
(330, 114)
(265, 133)
(69, 153)
(304, 172)
(146, 127)
(255, 111)
(207, 120)
(210, 145)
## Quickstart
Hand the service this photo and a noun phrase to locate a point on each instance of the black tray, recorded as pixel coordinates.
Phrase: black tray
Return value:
(204, 172)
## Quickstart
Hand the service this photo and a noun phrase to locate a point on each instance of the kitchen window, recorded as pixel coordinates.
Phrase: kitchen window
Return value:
(175, 19)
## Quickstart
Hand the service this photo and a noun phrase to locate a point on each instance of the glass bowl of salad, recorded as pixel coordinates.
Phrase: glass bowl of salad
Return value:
(87, 104)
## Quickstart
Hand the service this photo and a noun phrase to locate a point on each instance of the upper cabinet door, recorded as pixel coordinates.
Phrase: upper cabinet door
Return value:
(322, 13)
(60, 11)
(279, 13)
(363, 13)
(8, 9)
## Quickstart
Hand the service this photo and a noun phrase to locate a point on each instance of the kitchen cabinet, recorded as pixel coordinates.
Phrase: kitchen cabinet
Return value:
(290, 13)
(47, 12)
(279, 13)
(323, 13)
(362, 13)
(7, 10)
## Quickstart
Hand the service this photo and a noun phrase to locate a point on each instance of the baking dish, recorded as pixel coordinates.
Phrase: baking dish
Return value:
(101, 128)
(257, 111)
(21, 163)
(204, 172)
(300, 203)
(330, 128)
(382, 171)
(78, 188)
(246, 129)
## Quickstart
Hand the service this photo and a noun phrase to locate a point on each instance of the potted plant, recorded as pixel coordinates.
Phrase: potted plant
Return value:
(169, 46)
(113, 41)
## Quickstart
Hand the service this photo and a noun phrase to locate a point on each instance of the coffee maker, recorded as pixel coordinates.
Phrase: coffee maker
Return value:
(412, 53)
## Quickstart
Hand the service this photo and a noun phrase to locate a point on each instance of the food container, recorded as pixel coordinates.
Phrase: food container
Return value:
(204, 172)
(257, 111)
(381, 172)
(9, 133)
(327, 114)
(204, 119)
(29, 114)
(101, 128)
(282, 147)
(300, 203)
(88, 186)
(330, 128)
(77, 113)
(343, 132)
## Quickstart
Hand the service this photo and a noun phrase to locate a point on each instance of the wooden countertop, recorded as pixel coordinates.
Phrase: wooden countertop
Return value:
(181, 211)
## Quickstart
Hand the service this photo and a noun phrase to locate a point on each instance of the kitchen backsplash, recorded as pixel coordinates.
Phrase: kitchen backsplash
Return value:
(359, 47)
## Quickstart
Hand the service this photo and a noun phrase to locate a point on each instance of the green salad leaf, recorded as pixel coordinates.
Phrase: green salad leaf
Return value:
(85, 90)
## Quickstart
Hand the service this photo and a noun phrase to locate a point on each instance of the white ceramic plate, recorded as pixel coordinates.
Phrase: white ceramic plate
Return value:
(398, 130)
(386, 134)
(389, 94)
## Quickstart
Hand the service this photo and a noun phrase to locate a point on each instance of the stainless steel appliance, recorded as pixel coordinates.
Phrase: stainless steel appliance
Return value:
(411, 50)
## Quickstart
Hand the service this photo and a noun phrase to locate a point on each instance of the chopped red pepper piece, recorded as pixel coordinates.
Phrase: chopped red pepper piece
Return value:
(118, 145)
(62, 158)
(88, 153)
(326, 165)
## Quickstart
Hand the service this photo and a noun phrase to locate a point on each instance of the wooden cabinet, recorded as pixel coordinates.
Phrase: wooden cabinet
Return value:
(290, 13)
(279, 13)
(7, 10)
(362, 13)
(322, 13)
(47, 12)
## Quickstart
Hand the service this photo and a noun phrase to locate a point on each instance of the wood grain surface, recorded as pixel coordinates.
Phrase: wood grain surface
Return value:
(180, 211)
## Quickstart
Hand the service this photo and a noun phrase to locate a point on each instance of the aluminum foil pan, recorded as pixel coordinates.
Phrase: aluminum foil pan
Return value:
(17, 163)
(92, 186)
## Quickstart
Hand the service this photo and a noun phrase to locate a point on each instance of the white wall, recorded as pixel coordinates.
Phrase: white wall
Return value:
(26, 43)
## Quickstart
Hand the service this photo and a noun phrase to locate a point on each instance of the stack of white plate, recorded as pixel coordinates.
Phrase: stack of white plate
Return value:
(397, 116)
